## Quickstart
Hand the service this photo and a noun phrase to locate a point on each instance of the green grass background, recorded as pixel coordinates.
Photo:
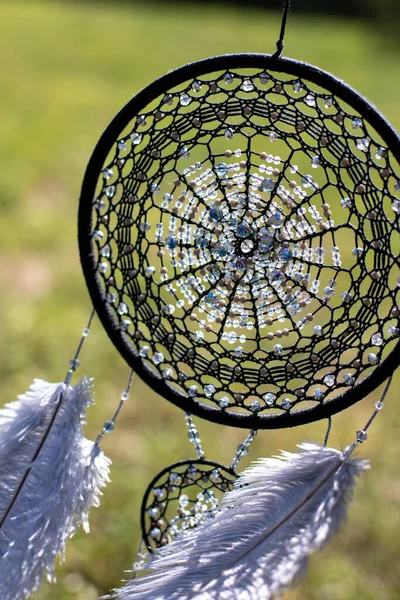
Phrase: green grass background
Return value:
(66, 69)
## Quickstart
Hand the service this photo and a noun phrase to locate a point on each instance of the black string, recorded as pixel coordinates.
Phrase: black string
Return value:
(328, 431)
(280, 43)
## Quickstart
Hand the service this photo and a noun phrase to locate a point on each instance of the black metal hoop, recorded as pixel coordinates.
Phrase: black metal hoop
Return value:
(169, 485)
(338, 148)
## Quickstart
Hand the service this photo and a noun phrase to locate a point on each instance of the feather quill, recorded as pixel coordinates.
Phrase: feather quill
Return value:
(50, 476)
(280, 511)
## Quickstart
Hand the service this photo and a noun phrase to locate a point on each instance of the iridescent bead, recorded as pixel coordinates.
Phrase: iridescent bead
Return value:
(143, 352)
(310, 100)
(297, 87)
(153, 512)
(122, 309)
(277, 276)
(108, 427)
(185, 100)
(372, 359)
(74, 363)
(286, 404)
(308, 181)
(267, 185)
(380, 153)
(149, 271)
(318, 394)
(158, 358)
(269, 398)
(379, 405)
(159, 493)
(209, 390)
(103, 267)
(155, 533)
(223, 402)
(363, 144)
(136, 138)
(193, 389)
(221, 169)
(184, 152)
(175, 478)
(171, 242)
(243, 230)
(348, 379)
(276, 220)
(216, 214)
(329, 380)
(247, 86)
(229, 133)
(361, 436)
(285, 255)
(377, 339)
(228, 78)
(215, 476)
(393, 331)
(278, 349)
(345, 203)
(107, 173)
(318, 330)
(255, 406)
(110, 191)
(315, 162)
(356, 123)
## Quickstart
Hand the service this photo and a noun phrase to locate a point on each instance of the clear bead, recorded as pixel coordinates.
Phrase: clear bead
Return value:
(361, 435)
(185, 100)
(136, 138)
(377, 339)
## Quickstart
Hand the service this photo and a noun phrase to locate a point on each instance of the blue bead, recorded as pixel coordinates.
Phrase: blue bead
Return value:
(285, 255)
(243, 230)
(171, 242)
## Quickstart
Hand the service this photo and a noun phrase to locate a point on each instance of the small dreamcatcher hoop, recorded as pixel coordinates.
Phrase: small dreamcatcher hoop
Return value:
(239, 235)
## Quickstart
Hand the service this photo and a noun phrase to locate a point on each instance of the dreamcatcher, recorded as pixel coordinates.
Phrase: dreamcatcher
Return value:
(239, 236)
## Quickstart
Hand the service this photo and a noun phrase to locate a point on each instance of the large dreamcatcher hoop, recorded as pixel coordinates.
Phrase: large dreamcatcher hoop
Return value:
(239, 235)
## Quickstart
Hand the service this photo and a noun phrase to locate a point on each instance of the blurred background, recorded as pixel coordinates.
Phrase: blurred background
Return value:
(66, 69)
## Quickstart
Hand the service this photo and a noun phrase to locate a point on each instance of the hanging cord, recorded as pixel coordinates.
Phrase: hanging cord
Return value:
(361, 435)
(109, 426)
(74, 363)
(280, 43)
(243, 449)
(328, 431)
(194, 436)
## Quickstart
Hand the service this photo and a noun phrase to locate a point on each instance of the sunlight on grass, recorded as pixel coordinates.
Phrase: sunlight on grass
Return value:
(67, 69)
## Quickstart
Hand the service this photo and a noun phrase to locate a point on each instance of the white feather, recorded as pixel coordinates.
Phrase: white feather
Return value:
(280, 511)
(43, 501)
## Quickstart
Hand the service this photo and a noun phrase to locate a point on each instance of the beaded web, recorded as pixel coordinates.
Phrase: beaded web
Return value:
(182, 496)
(243, 232)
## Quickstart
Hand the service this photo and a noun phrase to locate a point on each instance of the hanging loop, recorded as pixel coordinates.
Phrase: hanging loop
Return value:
(280, 43)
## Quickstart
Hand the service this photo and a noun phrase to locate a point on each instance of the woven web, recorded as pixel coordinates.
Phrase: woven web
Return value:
(245, 228)
(181, 498)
